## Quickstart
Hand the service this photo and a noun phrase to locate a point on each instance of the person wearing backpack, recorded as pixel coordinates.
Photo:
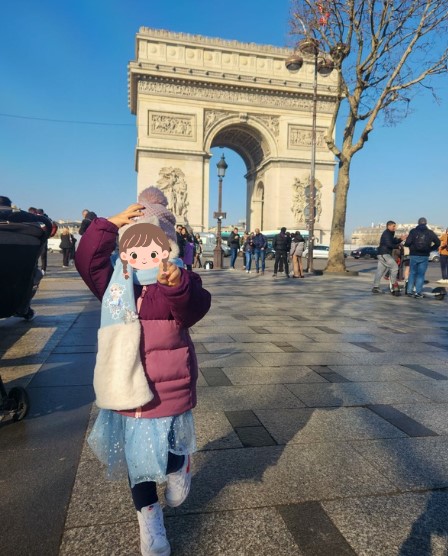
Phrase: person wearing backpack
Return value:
(421, 241)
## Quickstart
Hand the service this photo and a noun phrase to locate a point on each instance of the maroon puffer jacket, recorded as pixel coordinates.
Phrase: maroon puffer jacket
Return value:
(166, 313)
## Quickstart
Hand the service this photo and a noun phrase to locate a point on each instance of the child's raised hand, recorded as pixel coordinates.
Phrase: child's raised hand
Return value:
(127, 215)
(169, 277)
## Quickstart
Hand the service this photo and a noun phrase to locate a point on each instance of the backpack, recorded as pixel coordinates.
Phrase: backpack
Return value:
(422, 241)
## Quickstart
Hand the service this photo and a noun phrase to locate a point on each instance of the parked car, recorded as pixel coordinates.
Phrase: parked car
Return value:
(365, 253)
(209, 243)
(319, 252)
(434, 257)
(53, 244)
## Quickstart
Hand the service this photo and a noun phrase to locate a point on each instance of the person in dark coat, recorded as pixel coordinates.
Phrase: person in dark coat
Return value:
(281, 245)
(386, 262)
(87, 216)
(421, 241)
(67, 245)
(234, 243)
(180, 241)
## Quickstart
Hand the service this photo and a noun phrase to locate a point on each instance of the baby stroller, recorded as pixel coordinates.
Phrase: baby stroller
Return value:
(20, 248)
(14, 404)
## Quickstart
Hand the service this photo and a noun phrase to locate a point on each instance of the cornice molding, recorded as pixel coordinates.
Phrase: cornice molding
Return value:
(201, 40)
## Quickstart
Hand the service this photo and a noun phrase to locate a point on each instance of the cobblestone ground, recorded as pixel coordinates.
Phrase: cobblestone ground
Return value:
(322, 424)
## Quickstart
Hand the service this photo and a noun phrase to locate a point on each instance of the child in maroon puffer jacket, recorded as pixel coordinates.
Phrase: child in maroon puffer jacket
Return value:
(146, 370)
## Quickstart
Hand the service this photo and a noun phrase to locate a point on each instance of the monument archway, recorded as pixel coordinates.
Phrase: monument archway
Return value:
(193, 93)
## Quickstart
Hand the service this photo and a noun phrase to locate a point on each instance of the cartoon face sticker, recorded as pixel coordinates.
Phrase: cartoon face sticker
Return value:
(143, 246)
(143, 258)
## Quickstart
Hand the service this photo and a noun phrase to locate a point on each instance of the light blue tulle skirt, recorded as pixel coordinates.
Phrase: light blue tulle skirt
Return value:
(138, 448)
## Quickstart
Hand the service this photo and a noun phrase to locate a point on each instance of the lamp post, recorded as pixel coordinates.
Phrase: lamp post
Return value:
(323, 65)
(217, 252)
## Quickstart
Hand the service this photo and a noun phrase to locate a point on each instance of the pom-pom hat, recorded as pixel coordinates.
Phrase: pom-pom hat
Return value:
(157, 213)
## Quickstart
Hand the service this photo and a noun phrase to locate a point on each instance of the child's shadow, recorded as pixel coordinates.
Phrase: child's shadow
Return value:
(230, 477)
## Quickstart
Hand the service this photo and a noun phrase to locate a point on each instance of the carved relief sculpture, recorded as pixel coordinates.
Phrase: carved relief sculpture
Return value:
(172, 182)
(213, 116)
(301, 197)
(301, 137)
(174, 125)
(299, 201)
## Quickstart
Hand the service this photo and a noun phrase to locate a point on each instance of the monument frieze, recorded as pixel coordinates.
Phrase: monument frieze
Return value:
(172, 125)
(234, 95)
(299, 137)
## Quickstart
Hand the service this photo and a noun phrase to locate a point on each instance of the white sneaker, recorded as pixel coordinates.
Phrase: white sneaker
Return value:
(441, 281)
(153, 541)
(178, 485)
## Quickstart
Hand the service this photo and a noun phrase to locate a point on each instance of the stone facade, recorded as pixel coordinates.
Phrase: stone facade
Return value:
(191, 93)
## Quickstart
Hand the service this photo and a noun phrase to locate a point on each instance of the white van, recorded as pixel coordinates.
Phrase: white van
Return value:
(209, 243)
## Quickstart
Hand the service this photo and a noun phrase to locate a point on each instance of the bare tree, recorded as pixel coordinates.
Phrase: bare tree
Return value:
(385, 52)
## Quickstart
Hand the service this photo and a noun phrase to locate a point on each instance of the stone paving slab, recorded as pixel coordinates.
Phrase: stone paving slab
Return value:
(271, 375)
(305, 426)
(226, 360)
(294, 359)
(332, 395)
(431, 415)
(375, 373)
(235, 533)
(409, 463)
(232, 398)
(436, 391)
(234, 347)
(404, 525)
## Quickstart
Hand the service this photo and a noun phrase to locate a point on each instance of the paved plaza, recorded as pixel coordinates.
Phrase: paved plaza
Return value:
(322, 424)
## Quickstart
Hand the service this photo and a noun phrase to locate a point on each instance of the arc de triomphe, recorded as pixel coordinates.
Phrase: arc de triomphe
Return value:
(191, 93)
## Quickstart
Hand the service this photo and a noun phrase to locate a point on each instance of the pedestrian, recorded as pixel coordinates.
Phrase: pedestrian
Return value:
(403, 268)
(198, 251)
(248, 249)
(188, 257)
(296, 252)
(54, 229)
(282, 246)
(144, 434)
(234, 242)
(443, 252)
(180, 240)
(421, 241)
(15, 215)
(87, 218)
(386, 262)
(260, 244)
(67, 245)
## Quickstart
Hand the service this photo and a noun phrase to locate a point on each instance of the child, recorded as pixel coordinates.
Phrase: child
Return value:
(146, 370)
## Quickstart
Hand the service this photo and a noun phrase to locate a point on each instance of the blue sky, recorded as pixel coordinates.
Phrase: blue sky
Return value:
(67, 60)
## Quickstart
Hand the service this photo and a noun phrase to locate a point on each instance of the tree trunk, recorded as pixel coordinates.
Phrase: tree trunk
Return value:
(336, 261)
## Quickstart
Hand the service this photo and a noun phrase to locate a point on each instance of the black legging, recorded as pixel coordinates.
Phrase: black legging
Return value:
(66, 256)
(145, 494)
(444, 266)
(281, 256)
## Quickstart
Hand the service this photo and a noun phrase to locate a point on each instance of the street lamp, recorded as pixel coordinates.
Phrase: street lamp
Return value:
(323, 65)
(217, 252)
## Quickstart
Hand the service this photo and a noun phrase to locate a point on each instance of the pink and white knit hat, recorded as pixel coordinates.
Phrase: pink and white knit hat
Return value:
(157, 213)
